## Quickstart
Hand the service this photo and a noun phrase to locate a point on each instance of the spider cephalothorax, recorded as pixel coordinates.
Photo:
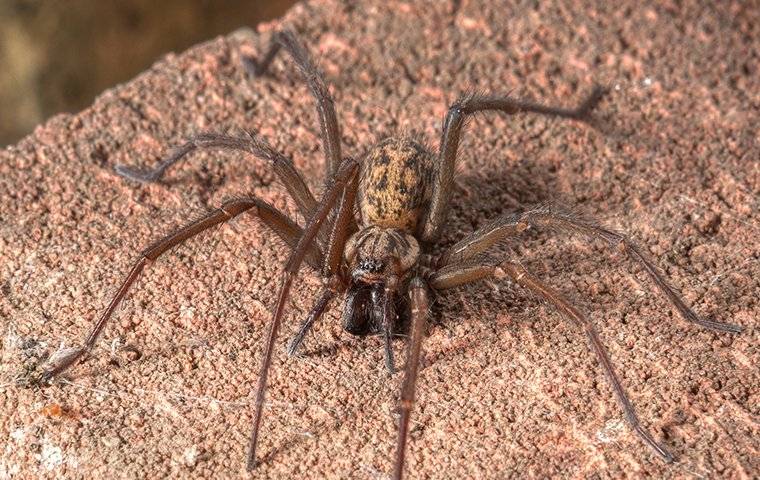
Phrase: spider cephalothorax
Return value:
(377, 258)
(375, 254)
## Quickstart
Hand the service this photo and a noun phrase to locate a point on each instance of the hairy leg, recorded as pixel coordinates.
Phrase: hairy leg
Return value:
(334, 282)
(282, 225)
(283, 167)
(342, 180)
(455, 275)
(419, 299)
(384, 316)
(554, 218)
(453, 125)
(328, 121)
(316, 312)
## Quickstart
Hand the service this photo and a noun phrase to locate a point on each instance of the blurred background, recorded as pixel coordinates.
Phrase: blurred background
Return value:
(56, 56)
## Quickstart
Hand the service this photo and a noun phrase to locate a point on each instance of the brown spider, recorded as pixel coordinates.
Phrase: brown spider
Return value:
(401, 192)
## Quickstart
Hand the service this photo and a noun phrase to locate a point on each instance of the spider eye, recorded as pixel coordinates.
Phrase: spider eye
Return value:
(371, 265)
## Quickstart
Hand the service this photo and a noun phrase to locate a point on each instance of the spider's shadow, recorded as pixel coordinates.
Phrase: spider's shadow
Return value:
(203, 179)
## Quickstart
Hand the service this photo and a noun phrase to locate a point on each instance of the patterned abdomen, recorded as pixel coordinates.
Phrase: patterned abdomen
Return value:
(394, 187)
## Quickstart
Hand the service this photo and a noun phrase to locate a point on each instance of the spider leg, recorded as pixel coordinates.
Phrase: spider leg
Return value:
(463, 273)
(282, 166)
(495, 231)
(452, 132)
(328, 121)
(455, 275)
(419, 303)
(383, 315)
(316, 312)
(344, 179)
(558, 219)
(388, 318)
(282, 225)
(334, 282)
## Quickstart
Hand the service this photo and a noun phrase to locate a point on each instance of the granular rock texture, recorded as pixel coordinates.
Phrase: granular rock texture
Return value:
(508, 387)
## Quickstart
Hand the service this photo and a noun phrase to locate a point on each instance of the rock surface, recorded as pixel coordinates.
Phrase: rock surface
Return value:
(509, 388)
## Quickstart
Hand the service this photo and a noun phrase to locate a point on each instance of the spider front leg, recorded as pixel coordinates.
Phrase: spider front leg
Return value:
(281, 224)
(552, 217)
(315, 314)
(419, 302)
(455, 275)
(334, 282)
(453, 124)
(343, 182)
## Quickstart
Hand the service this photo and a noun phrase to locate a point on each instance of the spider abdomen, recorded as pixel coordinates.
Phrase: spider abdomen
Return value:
(395, 184)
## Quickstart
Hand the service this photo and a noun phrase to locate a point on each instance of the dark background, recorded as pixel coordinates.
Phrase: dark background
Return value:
(57, 56)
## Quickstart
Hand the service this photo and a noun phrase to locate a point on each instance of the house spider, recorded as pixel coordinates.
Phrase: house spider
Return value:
(400, 192)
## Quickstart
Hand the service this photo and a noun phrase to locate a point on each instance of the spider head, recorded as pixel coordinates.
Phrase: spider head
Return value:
(379, 260)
